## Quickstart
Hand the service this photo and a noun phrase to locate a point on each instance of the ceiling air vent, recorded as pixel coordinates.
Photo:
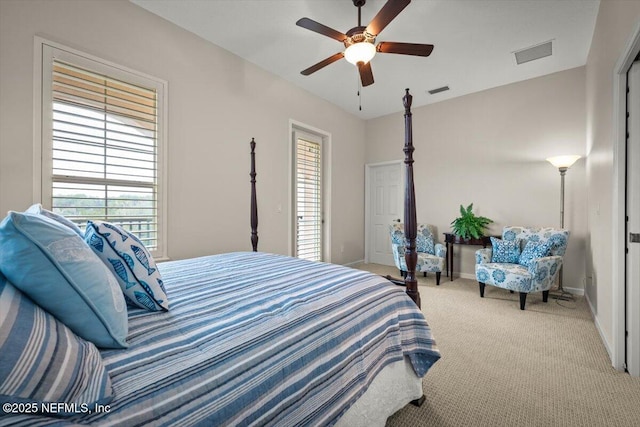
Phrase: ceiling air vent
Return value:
(533, 53)
(438, 90)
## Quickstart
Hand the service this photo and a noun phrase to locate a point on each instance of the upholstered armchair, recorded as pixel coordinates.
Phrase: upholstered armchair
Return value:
(525, 260)
(431, 255)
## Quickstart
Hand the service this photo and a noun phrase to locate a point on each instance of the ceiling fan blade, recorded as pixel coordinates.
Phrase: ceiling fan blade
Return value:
(322, 64)
(390, 10)
(416, 49)
(312, 25)
(366, 75)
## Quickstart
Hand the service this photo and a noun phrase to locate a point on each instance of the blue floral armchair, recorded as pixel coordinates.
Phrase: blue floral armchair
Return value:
(431, 255)
(525, 260)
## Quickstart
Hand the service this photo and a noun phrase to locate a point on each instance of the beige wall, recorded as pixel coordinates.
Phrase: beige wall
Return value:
(489, 149)
(614, 26)
(217, 103)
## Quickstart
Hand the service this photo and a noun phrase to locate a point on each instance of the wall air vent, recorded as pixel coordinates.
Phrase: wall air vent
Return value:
(438, 90)
(534, 52)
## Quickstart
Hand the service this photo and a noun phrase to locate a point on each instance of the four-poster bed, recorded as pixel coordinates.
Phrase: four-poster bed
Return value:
(293, 343)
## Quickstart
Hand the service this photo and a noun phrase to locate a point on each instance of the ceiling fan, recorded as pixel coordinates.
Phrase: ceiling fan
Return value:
(359, 41)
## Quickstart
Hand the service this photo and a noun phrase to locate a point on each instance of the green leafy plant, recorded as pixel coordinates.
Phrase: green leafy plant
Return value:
(469, 225)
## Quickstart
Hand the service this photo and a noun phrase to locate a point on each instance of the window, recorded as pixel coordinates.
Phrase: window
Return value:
(308, 197)
(101, 145)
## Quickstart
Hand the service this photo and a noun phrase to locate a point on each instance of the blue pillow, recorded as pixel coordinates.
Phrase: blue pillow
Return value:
(43, 361)
(130, 262)
(533, 250)
(39, 210)
(505, 250)
(52, 265)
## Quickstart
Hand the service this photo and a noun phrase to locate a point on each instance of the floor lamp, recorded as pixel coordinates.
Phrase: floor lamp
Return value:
(563, 163)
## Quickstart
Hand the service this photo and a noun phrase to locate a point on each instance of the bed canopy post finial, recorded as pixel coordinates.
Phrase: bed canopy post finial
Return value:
(410, 223)
(254, 203)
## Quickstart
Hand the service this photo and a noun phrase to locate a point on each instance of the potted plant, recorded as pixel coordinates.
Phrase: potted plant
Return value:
(468, 225)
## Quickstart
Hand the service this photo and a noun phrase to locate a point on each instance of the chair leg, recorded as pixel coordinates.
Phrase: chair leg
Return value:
(481, 289)
(545, 296)
(438, 274)
(523, 299)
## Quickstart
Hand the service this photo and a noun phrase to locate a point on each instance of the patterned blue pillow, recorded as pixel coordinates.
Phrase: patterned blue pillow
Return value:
(43, 361)
(131, 263)
(533, 250)
(54, 267)
(505, 250)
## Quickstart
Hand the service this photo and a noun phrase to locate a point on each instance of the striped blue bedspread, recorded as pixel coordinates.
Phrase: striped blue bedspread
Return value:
(259, 339)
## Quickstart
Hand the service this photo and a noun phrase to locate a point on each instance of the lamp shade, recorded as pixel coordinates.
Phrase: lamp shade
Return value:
(563, 161)
(360, 52)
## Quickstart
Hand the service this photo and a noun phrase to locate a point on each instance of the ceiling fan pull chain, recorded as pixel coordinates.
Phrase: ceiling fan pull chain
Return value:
(359, 94)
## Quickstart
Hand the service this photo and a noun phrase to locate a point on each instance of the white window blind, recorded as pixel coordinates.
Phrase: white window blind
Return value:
(104, 149)
(308, 200)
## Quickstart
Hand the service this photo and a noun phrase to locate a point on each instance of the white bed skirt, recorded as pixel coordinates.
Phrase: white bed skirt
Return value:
(392, 389)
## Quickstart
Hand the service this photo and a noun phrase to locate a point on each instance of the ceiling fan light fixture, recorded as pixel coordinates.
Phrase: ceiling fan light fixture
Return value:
(360, 52)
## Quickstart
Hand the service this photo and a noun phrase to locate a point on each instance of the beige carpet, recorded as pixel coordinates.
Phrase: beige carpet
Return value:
(500, 366)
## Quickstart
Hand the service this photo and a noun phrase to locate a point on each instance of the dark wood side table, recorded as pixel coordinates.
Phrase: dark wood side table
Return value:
(451, 239)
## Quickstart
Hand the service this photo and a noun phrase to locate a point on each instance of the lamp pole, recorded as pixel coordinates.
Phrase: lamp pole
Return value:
(563, 163)
(563, 172)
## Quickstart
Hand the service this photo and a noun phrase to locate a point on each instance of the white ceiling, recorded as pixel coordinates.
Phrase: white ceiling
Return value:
(474, 43)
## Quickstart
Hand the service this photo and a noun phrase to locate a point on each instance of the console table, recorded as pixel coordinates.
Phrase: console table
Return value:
(451, 239)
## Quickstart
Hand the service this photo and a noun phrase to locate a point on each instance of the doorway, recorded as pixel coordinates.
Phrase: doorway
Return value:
(632, 215)
(383, 205)
(310, 193)
(625, 349)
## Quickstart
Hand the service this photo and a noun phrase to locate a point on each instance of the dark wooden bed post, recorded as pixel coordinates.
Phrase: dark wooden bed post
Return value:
(254, 203)
(410, 223)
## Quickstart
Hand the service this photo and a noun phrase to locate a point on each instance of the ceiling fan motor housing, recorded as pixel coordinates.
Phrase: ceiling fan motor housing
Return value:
(358, 35)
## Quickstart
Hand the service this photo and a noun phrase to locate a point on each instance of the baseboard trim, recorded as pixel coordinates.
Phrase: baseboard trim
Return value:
(575, 291)
(596, 322)
(351, 264)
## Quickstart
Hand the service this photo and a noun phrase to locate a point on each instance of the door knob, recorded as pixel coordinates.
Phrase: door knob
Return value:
(634, 237)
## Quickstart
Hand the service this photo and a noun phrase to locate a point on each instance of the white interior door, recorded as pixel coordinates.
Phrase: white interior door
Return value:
(633, 222)
(385, 207)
